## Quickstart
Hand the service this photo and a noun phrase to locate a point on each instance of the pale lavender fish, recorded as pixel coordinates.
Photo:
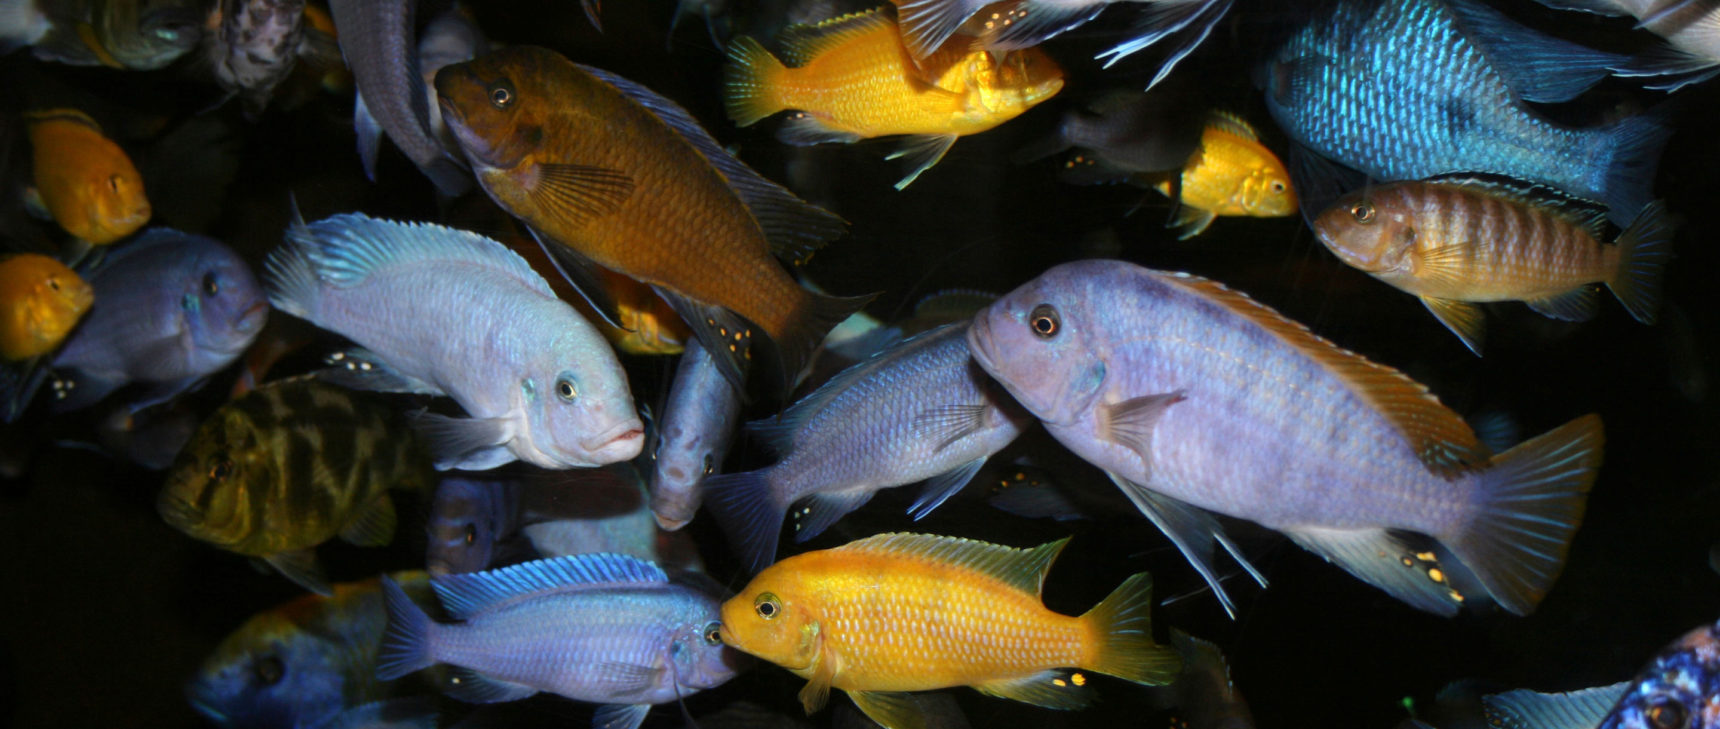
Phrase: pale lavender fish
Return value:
(916, 411)
(470, 517)
(698, 423)
(378, 39)
(601, 628)
(444, 311)
(1196, 398)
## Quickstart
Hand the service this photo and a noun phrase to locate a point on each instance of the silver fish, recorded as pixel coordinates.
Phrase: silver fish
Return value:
(698, 422)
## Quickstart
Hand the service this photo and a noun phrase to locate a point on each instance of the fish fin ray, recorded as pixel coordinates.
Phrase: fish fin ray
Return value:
(941, 487)
(927, 24)
(579, 194)
(804, 129)
(1675, 68)
(466, 594)
(405, 646)
(369, 133)
(1578, 304)
(1164, 19)
(1633, 149)
(620, 716)
(794, 346)
(819, 511)
(725, 335)
(749, 81)
(373, 526)
(301, 566)
(1051, 688)
(892, 709)
(1233, 124)
(817, 689)
(1043, 502)
(1192, 220)
(1643, 250)
(357, 368)
(1023, 569)
(748, 512)
(1190, 528)
(801, 43)
(1464, 319)
(1130, 423)
(473, 687)
(948, 424)
(470, 444)
(1124, 622)
(922, 151)
(343, 250)
(628, 678)
(584, 275)
(1536, 67)
(1380, 559)
(1040, 22)
(1584, 709)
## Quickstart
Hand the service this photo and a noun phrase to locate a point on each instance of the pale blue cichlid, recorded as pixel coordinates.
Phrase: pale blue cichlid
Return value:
(698, 422)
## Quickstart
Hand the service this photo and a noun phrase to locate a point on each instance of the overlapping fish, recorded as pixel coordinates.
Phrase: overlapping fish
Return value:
(1680, 687)
(699, 419)
(40, 301)
(83, 179)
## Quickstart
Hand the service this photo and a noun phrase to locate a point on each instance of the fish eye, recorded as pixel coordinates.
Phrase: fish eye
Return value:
(211, 285)
(221, 470)
(1278, 187)
(268, 670)
(53, 283)
(502, 95)
(1044, 321)
(113, 183)
(565, 390)
(1363, 212)
(1666, 714)
(471, 534)
(709, 467)
(713, 633)
(767, 606)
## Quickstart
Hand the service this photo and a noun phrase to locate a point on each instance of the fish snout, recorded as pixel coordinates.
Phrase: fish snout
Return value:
(620, 443)
(177, 512)
(251, 320)
(979, 339)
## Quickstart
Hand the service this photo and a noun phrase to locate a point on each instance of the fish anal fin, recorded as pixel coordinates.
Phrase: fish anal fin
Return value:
(300, 566)
(1192, 220)
(620, 716)
(1578, 304)
(727, 336)
(891, 709)
(1414, 576)
(373, 526)
(1464, 319)
(472, 687)
(819, 511)
(1022, 569)
(1055, 688)
(804, 129)
(1036, 22)
(360, 369)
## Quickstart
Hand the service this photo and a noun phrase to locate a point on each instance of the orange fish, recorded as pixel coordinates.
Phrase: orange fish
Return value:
(83, 180)
(915, 612)
(40, 301)
(608, 172)
(1231, 173)
(851, 79)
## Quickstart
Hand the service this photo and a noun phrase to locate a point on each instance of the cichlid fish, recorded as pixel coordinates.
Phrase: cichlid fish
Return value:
(447, 312)
(22, 24)
(288, 466)
(606, 171)
(1456, 243)
(1411, 89)
(83, 180)
(1195, 398)
(918, 411)
(1232, 174)
(604, 510)
(648, 325)
(914, 612)
(699, 420)
(1679, 688)
(1691, 27)
(851, 79)
(257, 45)
(601, 628)
(1203, 696)
(40, 301)
(470, 517)
(301, 664)
(140, 35)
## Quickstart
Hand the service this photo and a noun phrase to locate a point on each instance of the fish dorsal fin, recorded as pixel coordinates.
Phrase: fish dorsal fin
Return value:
(344, 249)
(794, 228)
(804, 42)
(1443, 442)
(1527, 709)
(63, 114)
(1022, 569)
(1582, 212)
(953, 303)
(1228, 122)
(467, 594)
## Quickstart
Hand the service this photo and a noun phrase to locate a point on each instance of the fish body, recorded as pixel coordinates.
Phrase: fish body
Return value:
(256, 47)
(1455, 244)
(1196, 398)
(1412, 89)
(1230, 174)
(851, 78)
(40, 301)
(1680, 687)
(699, 420)
(913, 612)
(627, 180)
(648, 324)
(301, 664)
(444, 311)
(85, 181)
(288, 466)
(602, 628)
(919, 410)
(605, 510)
(469, 519)
(139, 35)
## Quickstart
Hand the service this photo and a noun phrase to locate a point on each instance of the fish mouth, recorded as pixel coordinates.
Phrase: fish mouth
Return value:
(203, 698)
(979, 334)
(620, 443)
(251, 320)
(177, 512)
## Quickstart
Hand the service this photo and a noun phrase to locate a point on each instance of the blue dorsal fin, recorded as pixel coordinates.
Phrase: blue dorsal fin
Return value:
(342, 250)
(1023, 569)
(464, 595)
(1535, 66)
(1589, 214)
(794, 227)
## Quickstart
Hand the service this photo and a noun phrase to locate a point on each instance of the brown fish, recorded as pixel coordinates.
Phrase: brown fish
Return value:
(606, 171)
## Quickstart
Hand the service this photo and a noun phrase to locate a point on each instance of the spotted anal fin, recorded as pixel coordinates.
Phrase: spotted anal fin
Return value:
(922, 151)
(727, 336)
(300, 566)
(1193, 531)
(472, 687)
(373, 526)
(1464, 319)
(361, 369)
(804, 129)
(818, 511)
(1034, 22)
(1130, 423)
(1387, 562)
(891, 709)
(1056, 688)
(585, 277)
(1578, 304)
(1525, 709)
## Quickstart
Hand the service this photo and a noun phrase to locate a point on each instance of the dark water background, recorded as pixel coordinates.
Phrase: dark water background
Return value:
(107, 610)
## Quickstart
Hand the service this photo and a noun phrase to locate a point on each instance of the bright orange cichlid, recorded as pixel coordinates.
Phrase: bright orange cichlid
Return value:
(850, 78)
(606, 171)
(914, 612)
(40, 301)
(83, 179)
(1231, 173)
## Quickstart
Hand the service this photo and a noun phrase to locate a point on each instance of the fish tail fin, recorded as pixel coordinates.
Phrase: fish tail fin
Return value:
(406, 644)
(750, 81)
(1527, 506)
(749, 514)
(814, 318)
(1643, 250)
(1632, 150)
(1121, 627)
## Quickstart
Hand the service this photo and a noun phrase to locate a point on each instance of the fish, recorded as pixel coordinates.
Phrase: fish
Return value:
(1230, 174)
(257, 45)
(449, 38)
(915, 612)
(1680, 687)
(289, 466)
(1412, 89)
(851, 79)
(1126, 133)
(302, 663)
(22, 24)
(1691, 29)
(378, 40)
(1455, 243)
(627, 180)
(42, 300)
(537, 380)
(648, 325)
(638, 638)
(1196, 399)
(918, 411)
(470, 518)
(83, 180)
(1031, 492)
(137, 35)
(1203, 696)
(699, 420)
(602, 510)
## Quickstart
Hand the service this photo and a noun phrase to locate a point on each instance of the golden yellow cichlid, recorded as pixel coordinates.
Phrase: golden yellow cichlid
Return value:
(1231, 173)
(84, 180)
(850, 78)
(914, 612)
(40, 301)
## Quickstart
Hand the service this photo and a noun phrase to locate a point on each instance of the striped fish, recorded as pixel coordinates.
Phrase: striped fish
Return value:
(288, 466)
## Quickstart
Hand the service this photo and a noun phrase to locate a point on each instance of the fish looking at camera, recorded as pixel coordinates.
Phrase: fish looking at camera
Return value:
(915, 612)
(40, 301)
(538, 381)
(257, 44)
(1195, 398)
(699, 420)
(1679, 688)
(471, 517)
(851, 79)
(627, 180)
(1691, 28)
(1455, 243)
(290, 465)
(83, 180)
(140, 35)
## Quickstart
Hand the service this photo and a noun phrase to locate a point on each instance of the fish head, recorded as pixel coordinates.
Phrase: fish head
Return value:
(149, 36)
(1370, 233)
(464, 525)
(1043, 343)
(494, 104)
(57, 298)
(1266, 191)
(113, 201)
(582, 412)
(685, 455)
(272, 672)
(1015, 82)
(223, 306)
(1678, 688)
(701, 659)
(774, 620)
(211, 483)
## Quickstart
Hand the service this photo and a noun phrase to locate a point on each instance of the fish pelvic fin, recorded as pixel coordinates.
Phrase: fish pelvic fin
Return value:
(749, 82)
(1643, 250)
(1121, 630)
(749, 514)
(406, 642)
(1632, 150)
(1527, 506)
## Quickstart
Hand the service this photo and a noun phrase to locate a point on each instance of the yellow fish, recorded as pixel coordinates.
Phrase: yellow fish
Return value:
(851, 78)
(40, 301)
(915, 612)
(1230, 173)
(83, 180)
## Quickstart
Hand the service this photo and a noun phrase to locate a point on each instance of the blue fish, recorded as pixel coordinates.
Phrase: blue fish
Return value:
(1410, 89)
(698, 423)
(602, 628)
(470, 518)
(1679, 688)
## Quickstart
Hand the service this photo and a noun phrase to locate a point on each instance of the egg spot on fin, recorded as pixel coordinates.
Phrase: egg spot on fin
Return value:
(1052, 689)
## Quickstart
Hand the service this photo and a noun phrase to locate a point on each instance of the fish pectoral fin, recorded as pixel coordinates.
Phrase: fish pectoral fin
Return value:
(891, 709)
(804, 129)
(620, 716)
(1193, 531)
(1130, 423)
(1462, 318)
(819, 511)
(727, 336)
(1055, 688)
(472, 444)
(472, 687)
(373, 526)
(1378, 558)
(922, 151)
(1582, 709)
(626, 678)
(300, 566)
(584, 275)
(941, 487)
(361, 369)
(579, 194)
(949, 423)
(35, 205)
(823, 674)
(1579, 304)
(1192, 220)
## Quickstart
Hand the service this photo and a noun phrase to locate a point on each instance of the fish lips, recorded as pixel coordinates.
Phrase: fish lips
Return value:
(979, 337)
(620, 443)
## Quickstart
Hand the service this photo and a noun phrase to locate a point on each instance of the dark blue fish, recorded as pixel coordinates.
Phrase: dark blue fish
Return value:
(698, 423)
(1679, 688)
(470, 518)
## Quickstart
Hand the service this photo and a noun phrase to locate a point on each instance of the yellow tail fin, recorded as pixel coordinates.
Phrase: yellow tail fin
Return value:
(1123, 629)
(749, 82)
